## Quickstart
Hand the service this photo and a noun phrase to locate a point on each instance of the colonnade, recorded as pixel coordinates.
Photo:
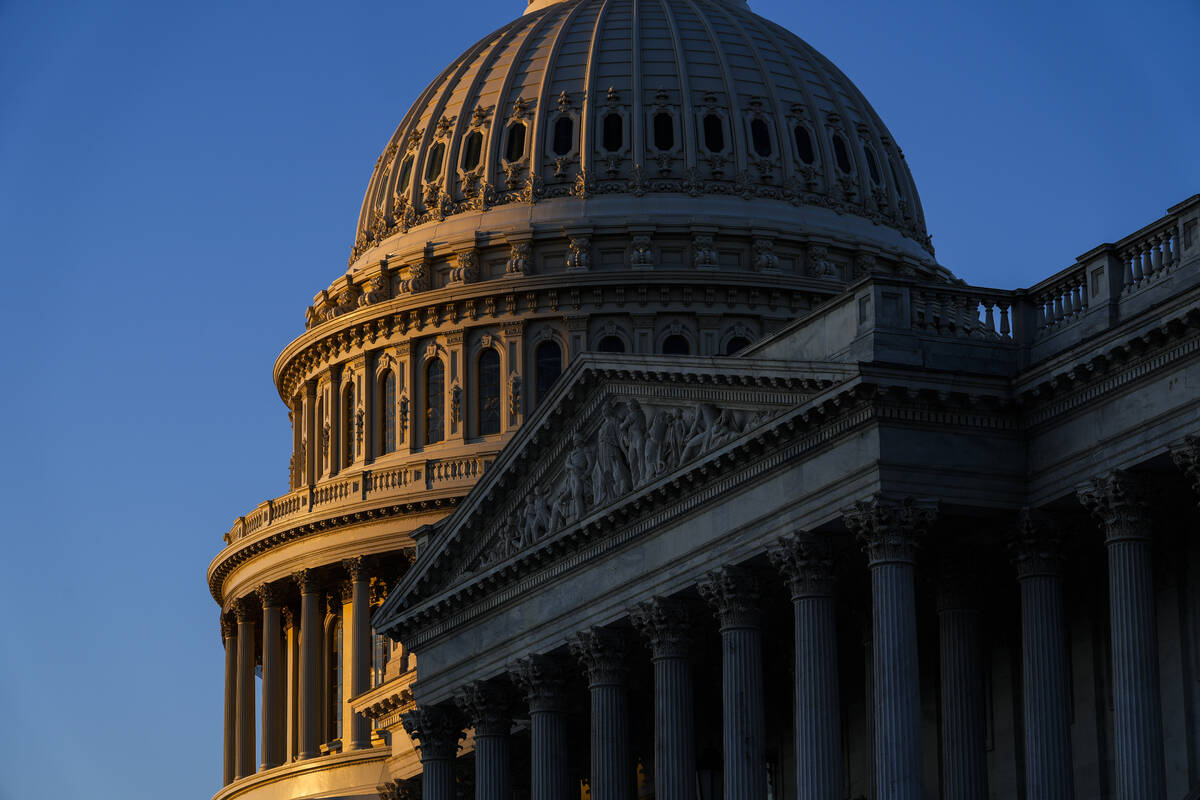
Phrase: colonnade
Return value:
(891, 533)
(294, 649)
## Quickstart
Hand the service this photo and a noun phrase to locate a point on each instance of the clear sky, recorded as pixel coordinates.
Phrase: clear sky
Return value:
(178, 179)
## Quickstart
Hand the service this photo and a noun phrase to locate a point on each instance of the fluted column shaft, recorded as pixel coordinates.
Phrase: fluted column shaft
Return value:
(1137, 710)
(360, 649)
(271, 726)
(541, 680)
(964, 748)
(664, 623)
(312, 636)
(1038, 558)
(488, 710)
(733, 593)
(890, 531)
(245, 691)
(229, 765)
(437, 731)
(601, 653)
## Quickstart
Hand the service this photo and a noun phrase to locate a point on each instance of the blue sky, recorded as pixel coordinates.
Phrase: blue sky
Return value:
(178, 180)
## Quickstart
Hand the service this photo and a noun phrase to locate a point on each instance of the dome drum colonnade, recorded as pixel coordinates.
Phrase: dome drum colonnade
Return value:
(892, 533)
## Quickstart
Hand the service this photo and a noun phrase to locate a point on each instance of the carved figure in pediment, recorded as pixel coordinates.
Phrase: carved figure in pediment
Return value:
(610, 455)
(699, 435)
(652, 451)
(536, 516)
(676, 439)
(633, 437)
(578, 469)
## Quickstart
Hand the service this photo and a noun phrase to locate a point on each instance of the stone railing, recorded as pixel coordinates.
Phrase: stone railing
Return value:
(1151, 253)
(963, 311)
(364, 485)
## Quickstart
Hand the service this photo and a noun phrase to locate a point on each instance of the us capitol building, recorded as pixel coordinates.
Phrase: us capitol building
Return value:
(645, 450)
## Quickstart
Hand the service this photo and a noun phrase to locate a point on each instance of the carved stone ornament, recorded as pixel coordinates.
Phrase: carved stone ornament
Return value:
(542, 681)
(355, 567)
(704, 254)
(228, 628)
(666, 625)
(1036, 547)
(631, 447)
(807, 563)
(418, 279)
(306, 581)
(1186, 456)
(579, 253)
(819, 265)
(402, 417)
(269, 595)
(246, 610)
(514, 395)
(376, 291)
(437, 731)
(487, 706)
(455, 403)
(765, 259)
(889, 530)
(1115, 500)
(602, 653)
(734, 594)
(641, 254)
(467, 267)
(519, 255)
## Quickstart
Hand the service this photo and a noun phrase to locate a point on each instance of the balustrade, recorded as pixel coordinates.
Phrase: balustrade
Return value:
(1059, 301)
(956, 312)
(1150, 256)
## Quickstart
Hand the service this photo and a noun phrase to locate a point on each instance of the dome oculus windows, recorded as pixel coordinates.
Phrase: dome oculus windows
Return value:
(564, 136)
(804, 145)
(760, 138)
(514, 142)
(713, 128)
(664, 131)
(433, 167)
(405, 175)
(841, 154)
(472, 148)
(612, 137)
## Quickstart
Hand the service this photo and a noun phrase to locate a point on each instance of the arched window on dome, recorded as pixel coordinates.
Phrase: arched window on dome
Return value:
(514, 142)
(564, 136)
(611, 344)
(714, 133)
(435, 401)
(387, 408)
(433, 166)
(804, 145)
(488, 391)
(872, 164)
(547, 367)
(676, 345)
(613, 134)
(347, 431)
(841, 154)
(664, 131)
(760, 137)
(405, 175)
(472, 148)
(735, 344)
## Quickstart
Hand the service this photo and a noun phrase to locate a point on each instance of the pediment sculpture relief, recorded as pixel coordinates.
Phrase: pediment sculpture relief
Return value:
(633, 445)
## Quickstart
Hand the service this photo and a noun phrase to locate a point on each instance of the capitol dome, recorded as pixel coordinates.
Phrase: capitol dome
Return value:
(678, 110)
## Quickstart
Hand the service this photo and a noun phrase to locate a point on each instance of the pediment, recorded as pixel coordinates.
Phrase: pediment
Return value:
(613, 431)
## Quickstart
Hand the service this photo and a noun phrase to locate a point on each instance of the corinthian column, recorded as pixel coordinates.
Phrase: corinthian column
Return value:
(358, 644)
(1037, 554)
(245, 689)
(311, 644)
(541, 681)
(489, 711)
(229, 636)
(1137, 712)
(733, 593)
(602, 653)
(806, 562)
(271, 726)
(1186, 455)
(664, 623)
(964, 748)
(890, 531)
(437, 731)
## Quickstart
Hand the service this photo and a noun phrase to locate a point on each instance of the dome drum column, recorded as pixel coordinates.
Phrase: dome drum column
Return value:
(358, 647)
(312, 638)
(245, 689)
(229, 635)
(272, 679)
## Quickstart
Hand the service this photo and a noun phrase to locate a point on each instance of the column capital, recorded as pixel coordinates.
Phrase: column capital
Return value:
(269, 595)
(346, 591)
(487, 706)
(958, 583)
(245, 609)
(806, 561)
(666, 625)
(437, 730)
(1186, 455)
(1036, 546)
(228, 628)
(602, 653)
(1115, 500)
(306, 580)
(890, 529)
(288, 616)
(333, 603)
(378, 592)
(734, 594)
(542, 680)
(356, 568)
